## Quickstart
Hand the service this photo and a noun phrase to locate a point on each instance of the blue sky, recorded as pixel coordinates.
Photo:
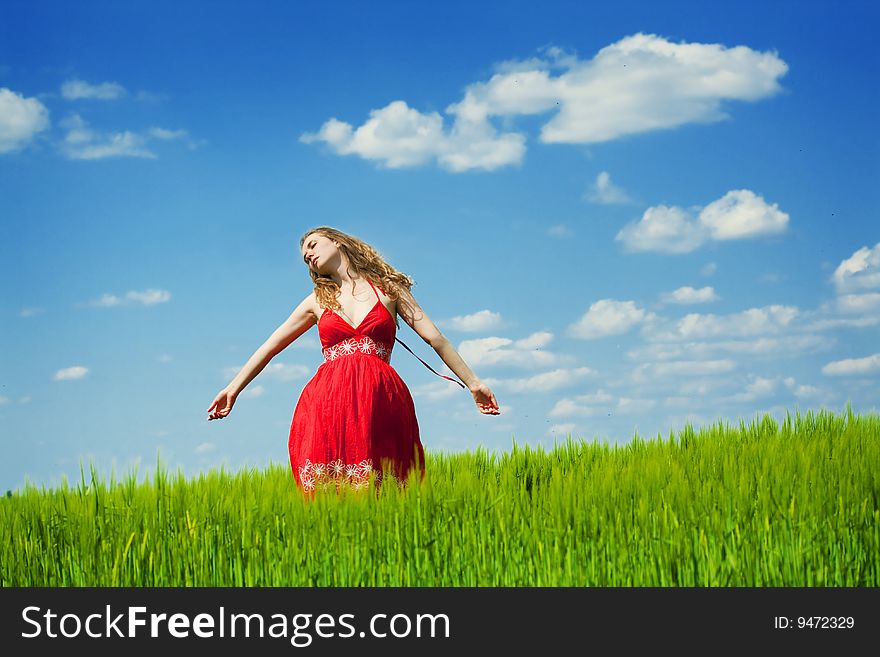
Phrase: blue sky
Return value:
(625, 217)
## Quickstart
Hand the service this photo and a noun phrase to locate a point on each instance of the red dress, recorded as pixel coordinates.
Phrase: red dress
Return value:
(356, 415)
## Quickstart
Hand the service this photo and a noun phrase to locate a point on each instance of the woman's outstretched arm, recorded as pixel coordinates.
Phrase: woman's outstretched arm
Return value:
(412, 313)
(300, 321)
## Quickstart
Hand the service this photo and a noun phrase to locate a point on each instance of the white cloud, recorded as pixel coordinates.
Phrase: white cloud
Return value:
(164, 134)
(691, 367)
(71, 373)
(671, 370)
(561, 231)
(483, 320)
(606, 192)
(644, 83)
(569, 408)
(504, 351)
(478, 145)
(149, 297)
(758, 388)
(437, 390)
(752, 322)
(855, 310)
(739, 214)
(107, 301)
(5, 401)
(853, 366)
(689, 295)
(709, 269)
(861, 271)
(275, 371)
(598, 397)
(521, 92)
(78, 131)
(639, 84)
(535, 340)
(563, 429)
(307, 342)
(742, 214)
(801, 391)
(253, 391)
(285, 372)
(660, 351)
(806, 392)
(204, 449)
(599, 403)
(83, 143)
(556, 58)
(595, 403)
(762, 346)
(20, 120)
(627, 405)
(78, 89)
(663, 229)
(398, 136)
(544, 382)
(167, 135)
(843, 322)
(30, 312)
(701, 387)
(120, 144)
(607, 317)
(859, 303)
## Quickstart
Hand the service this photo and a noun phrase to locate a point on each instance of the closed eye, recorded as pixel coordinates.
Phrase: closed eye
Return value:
(308, 246)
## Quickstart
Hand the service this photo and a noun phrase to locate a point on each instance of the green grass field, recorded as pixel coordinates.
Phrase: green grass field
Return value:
(760, 504)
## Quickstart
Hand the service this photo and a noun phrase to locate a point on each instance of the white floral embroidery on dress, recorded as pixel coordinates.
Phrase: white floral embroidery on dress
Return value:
(365, 344)
(322, 476)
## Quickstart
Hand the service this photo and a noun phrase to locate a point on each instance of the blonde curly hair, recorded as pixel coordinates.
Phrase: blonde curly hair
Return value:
(363, 260)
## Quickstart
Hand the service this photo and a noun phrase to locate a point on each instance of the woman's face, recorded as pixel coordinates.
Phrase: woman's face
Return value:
(318, 251)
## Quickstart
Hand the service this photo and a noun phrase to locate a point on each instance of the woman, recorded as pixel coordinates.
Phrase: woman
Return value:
(356, 415)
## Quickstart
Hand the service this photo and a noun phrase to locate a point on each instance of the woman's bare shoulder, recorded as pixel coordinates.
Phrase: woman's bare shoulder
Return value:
(407, 306)
(310, 303)
(384, 298)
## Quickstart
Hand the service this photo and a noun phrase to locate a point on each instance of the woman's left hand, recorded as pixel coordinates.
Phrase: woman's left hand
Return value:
(485, 400)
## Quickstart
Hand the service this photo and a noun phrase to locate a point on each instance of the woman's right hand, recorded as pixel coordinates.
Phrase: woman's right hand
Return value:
(484, 399)
(222, 405)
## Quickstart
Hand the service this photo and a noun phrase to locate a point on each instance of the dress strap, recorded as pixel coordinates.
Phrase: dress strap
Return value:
(428, 366)
(374, 289)
(412, 352)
